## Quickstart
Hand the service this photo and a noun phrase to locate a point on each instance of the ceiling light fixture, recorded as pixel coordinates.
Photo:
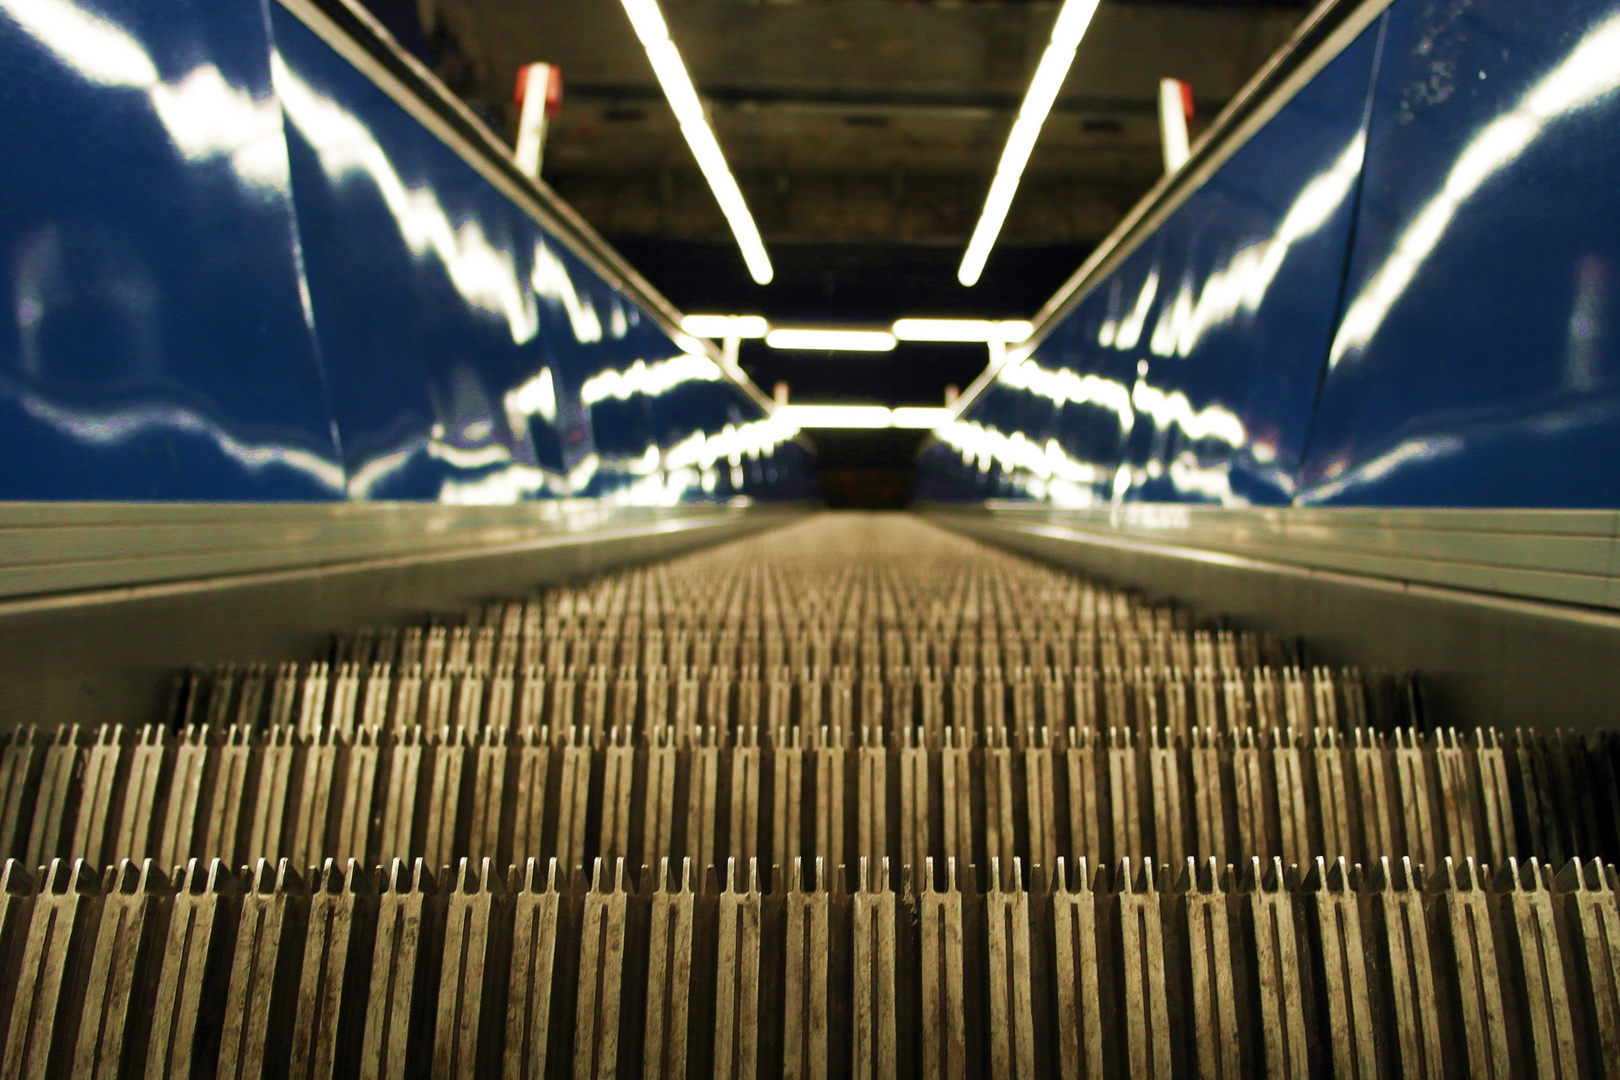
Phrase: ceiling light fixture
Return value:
(929, 417)
(834, 416)
(748, 327)
(974, 331)
(864, 416)
(807, 340)
(1070, 27)
(650, 27)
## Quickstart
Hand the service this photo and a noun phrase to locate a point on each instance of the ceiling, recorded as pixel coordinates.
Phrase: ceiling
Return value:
(863, 133)
(854, 120)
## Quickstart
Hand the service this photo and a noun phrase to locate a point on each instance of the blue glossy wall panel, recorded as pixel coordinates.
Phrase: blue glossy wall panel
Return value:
(1190, 373)
(240, 269)
(420, 273)
(473, 358)
(153, 343)
(1478, 361)
(1248, 271)
(1441, 330)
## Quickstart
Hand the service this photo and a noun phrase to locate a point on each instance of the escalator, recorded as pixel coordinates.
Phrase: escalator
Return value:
(854, 797)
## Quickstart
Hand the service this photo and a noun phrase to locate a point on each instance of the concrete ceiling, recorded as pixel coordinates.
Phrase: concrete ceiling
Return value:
(876, 121)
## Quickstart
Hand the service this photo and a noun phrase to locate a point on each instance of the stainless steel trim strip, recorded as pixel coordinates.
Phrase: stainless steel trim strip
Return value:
(168, 550)
(1544, 562)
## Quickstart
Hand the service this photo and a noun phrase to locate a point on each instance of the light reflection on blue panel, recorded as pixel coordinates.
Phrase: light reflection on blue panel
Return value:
(197, 206)
(1591, 71)
(449, 321)
(551, 281)
(1410, 452)
(1188, 374)
(1035, 465)
(1248, 270)
(1065, 386)
(1475, 363)
(1038, 471)
(162, 350)
(653, 479)
(1124, 333)
(652, 379)
(485, 275)
(121, 426)
(204, 115)
(1242, 284)
(1172, 408)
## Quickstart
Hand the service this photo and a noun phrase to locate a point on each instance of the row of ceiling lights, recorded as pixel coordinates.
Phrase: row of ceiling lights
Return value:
(842, 339)
(996, 334)
(1072, 20)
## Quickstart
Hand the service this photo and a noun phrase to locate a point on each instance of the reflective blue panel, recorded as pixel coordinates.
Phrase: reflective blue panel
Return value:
(671, 428)
(473, 358)
(424, 280)
(1248, 271)
(1189, 374)
(154, 344)
(236, 268)
(618, 394)
(664, 425)
(1478, 359)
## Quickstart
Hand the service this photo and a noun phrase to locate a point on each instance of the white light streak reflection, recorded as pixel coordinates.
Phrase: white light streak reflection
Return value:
(1064, 387)
(534, 397)
(1164, 408)
(1241, 285)
(1125, 333)
(654, 379)
(204, 115)
(1590, 72)
(660, 478)
(484, 275)
(1045, 470)
(117, 426)
(1409, 452)
(1212, 482)
(1173, 408)
(551, 281)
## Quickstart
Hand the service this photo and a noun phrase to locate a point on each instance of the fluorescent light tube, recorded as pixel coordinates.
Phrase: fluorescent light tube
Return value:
(725, 326)
(834, 416)
(648, 22)
(863, 416)
(919, 417)
(676, 83)
(966, 330)
(831, 340)
(1073, 19)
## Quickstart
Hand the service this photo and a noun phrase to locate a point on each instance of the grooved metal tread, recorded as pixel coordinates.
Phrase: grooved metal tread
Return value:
(830, 801)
